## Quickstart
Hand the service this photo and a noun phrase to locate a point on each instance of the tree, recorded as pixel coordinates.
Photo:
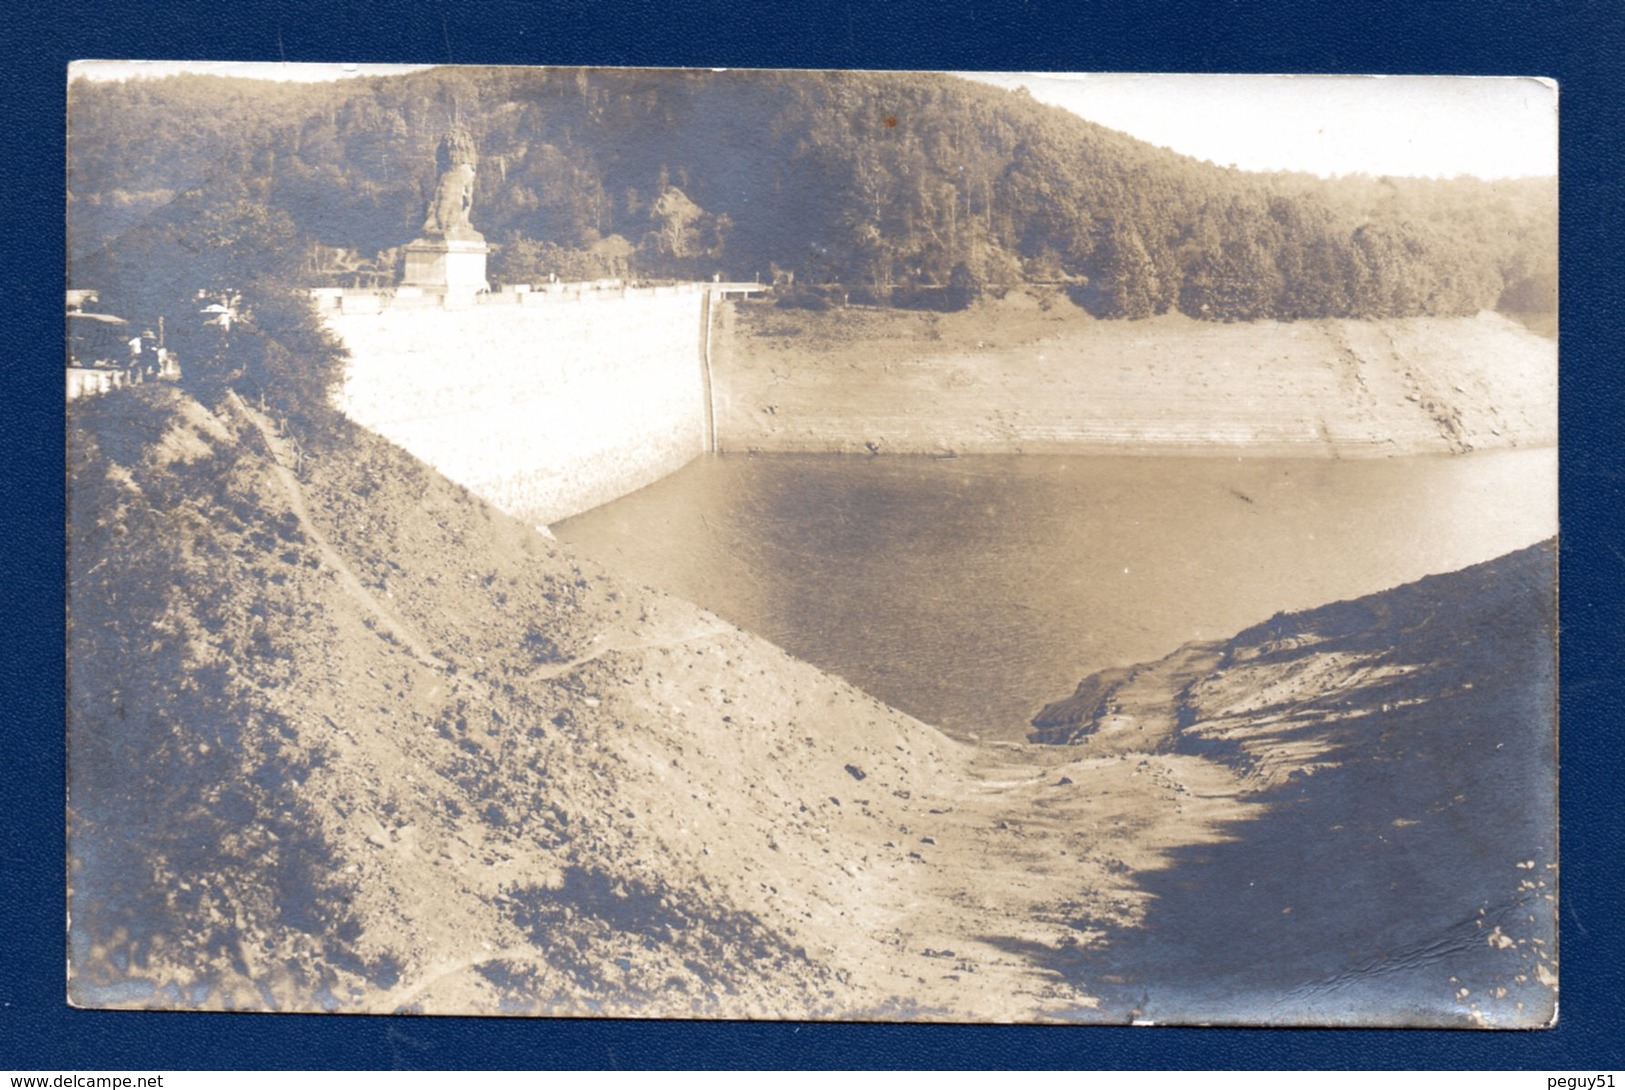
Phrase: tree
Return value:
(682, 236)
(226, 247)
(1123, 279)
(964, 287)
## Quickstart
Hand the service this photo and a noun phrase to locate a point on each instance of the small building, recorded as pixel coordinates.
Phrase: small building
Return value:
(105, 352)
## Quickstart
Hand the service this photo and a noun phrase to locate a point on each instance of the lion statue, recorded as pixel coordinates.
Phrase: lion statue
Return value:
(454, 194)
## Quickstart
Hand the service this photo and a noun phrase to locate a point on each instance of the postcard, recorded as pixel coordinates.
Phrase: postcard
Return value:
(865, 546)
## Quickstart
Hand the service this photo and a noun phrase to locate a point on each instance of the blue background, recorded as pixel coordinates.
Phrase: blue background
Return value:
(1578, 43)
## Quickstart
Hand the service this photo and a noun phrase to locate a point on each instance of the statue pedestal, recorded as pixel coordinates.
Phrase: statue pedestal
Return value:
(447, 264)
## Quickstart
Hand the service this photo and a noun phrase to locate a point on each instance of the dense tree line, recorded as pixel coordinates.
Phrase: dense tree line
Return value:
(884, 183)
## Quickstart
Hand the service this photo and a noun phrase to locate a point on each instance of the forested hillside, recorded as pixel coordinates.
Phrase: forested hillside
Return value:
(901, 187)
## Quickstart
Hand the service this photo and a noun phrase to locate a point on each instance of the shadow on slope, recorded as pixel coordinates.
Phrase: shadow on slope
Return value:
(1398, 756)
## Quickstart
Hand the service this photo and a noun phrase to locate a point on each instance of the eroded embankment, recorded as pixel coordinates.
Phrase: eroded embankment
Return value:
(1021, 376)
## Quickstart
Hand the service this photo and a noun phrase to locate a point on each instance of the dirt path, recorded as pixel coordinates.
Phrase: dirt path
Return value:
(697, 634)
(391, 624)
(403, 995)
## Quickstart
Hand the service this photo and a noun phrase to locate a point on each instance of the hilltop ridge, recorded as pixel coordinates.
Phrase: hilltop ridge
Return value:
(905, 188)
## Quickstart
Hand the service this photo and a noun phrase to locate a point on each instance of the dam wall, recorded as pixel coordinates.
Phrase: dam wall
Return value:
(543, 403)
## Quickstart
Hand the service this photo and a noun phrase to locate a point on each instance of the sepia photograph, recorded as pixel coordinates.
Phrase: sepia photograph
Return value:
(863, 546)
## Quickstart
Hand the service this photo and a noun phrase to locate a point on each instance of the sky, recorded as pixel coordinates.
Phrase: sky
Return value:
(1428, 126)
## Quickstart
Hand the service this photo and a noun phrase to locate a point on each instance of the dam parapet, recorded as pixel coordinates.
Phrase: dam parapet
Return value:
(409, 297)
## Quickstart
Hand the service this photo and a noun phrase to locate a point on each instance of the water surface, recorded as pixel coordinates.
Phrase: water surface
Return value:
(970, 592)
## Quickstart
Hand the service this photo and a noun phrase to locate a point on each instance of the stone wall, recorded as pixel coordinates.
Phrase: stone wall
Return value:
(544, 403)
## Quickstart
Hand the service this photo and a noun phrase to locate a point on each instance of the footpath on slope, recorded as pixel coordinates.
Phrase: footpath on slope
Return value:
(387, 618)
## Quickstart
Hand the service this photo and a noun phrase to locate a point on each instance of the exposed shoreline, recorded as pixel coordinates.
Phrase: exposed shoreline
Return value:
(1023, 375)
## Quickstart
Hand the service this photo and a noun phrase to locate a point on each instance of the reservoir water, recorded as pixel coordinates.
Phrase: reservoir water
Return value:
(971, 591)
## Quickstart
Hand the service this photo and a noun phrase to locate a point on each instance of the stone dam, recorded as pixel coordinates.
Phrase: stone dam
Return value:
(546, 403)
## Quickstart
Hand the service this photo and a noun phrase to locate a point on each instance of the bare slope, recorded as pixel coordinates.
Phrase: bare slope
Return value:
(344, 737)
(1032, 373)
